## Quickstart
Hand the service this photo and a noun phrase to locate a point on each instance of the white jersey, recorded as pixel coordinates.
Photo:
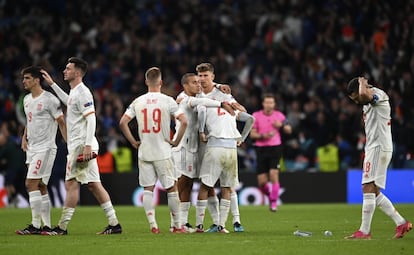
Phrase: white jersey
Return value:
(188, 106)
(377, 119)
(220, 124)
(216, 94)
(153, 112)
(41, 114)
(80, 104)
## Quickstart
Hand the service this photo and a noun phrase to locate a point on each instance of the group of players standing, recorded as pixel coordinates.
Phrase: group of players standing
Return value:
(204, 147)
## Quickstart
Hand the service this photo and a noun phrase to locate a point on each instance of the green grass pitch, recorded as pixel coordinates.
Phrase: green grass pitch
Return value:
(266, 233)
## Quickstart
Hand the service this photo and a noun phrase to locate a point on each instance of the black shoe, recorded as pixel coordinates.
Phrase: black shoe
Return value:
(109, 230)
(238, 227)
(29, 230)
(46, 229)
(199, 228)
(56, 231)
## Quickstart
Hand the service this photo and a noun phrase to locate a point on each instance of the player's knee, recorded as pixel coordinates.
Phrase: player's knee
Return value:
(369, 188)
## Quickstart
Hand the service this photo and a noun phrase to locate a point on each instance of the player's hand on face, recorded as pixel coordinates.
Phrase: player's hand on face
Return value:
(47, 77)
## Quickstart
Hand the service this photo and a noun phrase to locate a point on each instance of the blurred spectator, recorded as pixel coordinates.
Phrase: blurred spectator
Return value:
(12, 164)
(303, 50)
(106, 161)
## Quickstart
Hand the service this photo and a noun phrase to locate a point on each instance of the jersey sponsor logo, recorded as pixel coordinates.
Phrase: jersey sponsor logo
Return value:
(39, 106)
(88, 104)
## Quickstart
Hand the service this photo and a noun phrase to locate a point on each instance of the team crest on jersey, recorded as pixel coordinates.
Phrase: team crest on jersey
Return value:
(88, 104)
(39, 106)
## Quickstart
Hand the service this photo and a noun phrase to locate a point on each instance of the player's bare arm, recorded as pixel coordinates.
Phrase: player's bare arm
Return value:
(237, 106)
(365, 93)
(123, 125)
(226, 106)
(24, 140)
(62, 127)
(180, 133)
(48, 79)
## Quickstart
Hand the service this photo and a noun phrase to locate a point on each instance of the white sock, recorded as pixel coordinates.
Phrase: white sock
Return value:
(224, 211)
(35, 200)
(213, 208)
(171, 220)
(174, 205)
(65, 218)
(110, 213)
(147, 201)
(185, 208)
(387, 207)
(45, 211)
(200, 211)
(234, 207)
(368, 208)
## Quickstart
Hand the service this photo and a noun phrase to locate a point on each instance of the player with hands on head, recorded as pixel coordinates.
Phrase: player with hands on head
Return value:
(378, 153)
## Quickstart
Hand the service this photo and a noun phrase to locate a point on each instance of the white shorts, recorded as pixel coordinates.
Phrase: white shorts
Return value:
(220, 163)
(83, 172)
(375, 166)
(151, 171)
(40, 164)
(185, 163)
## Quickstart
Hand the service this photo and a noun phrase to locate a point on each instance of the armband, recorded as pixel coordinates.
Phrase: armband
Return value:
(375, 99)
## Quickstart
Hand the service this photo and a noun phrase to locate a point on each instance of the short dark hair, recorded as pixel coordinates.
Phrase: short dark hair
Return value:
(268, 95)
(204, 67)
(184, 78)
(34, 71)
(353, 86)
(79, 63)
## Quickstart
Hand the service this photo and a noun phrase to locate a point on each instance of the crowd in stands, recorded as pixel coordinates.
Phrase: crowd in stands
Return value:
(304, 52)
